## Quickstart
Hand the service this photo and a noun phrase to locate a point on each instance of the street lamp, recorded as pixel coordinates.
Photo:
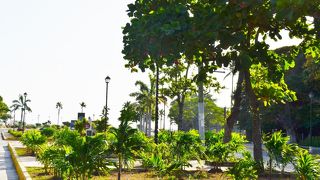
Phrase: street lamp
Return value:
(107, 79)
(311, 95)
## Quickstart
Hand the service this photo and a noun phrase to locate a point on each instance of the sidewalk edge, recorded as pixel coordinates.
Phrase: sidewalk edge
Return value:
(21, 170)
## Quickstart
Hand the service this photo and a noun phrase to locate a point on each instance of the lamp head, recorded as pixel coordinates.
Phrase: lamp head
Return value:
(107, 79)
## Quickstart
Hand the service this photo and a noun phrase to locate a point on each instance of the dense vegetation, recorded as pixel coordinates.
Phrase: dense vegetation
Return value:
(73, 155)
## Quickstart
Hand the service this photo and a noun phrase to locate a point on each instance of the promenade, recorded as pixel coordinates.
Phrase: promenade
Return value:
(7, 169)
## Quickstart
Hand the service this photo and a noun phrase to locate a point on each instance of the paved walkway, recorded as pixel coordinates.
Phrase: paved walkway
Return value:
(7, 169)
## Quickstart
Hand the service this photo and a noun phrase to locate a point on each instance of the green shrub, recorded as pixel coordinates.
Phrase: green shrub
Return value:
(48, 131)
(174, 151)
(32, 139)
(15, 133)
(218, 151)
(306, 167)
(279, 150)
(244, 168)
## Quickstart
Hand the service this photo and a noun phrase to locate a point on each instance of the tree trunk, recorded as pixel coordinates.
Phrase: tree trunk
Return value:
(234, 111)
(21, 119)
(157, 108)
(58, 115)
(149, 121)
(256, 122)
(24, 120)
(120, 166)
(164, 116)
(200, 107)
(180, 116)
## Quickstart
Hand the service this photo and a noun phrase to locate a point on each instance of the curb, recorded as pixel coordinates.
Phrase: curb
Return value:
(3, 136)
(21, 170)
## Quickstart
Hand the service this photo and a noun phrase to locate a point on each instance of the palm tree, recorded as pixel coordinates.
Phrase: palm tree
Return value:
(124, 143)
(83, 105)
(59, 107)
(146, 99)
(21, 103)
(13, 109)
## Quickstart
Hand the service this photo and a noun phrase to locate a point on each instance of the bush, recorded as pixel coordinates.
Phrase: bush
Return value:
(15, 133)
(32, 139)
(218, 151)
(174, 151)
(306, 167)
(279, 149)
(244, 168)
(48, 131)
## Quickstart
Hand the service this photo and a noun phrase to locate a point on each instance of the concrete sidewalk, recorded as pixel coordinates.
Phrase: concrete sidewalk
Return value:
(26, 161)
(7, 169)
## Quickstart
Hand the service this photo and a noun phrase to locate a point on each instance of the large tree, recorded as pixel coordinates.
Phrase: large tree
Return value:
(221, 32)
(4, 110)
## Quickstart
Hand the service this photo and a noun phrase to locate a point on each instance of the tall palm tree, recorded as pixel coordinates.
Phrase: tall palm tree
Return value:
(59, 107)
(13, 109)
(83, 105)
(22, 104)
(146, 99)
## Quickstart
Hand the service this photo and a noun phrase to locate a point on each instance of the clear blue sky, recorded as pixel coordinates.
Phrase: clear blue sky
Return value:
(61, 50)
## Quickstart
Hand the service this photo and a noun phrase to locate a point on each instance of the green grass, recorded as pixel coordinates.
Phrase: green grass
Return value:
(37, 173)
(23, 152)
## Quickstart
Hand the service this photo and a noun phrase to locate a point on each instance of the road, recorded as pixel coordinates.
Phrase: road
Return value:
(7, 169)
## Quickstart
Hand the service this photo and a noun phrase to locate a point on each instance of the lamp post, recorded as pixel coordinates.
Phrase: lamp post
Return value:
(107, 79)
(311, 95)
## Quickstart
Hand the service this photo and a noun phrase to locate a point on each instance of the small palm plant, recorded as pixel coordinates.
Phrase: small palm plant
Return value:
(123, 140)
(306, 166)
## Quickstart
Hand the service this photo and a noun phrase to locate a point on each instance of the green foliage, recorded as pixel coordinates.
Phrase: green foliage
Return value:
(218, 151)
(4, 109)
(174, 151)
(75, 156)
(15, 133)
(279, 149)
(100, 124)
(124, 141)
(267, 90)
(80, 126)
(306, 167)
(244, 168)
(48, 131)
(22, 103)
(213, 114)
(33, 139)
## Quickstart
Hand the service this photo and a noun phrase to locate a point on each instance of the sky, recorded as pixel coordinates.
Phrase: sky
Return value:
(61, 51)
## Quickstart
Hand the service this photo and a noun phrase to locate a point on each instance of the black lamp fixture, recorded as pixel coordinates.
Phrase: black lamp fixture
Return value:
(107, 80)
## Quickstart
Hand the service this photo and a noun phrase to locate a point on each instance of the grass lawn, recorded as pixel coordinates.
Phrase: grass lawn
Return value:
(23, 152)
(37, 173)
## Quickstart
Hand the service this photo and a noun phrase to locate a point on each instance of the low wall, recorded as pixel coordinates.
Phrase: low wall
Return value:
(21, 170)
